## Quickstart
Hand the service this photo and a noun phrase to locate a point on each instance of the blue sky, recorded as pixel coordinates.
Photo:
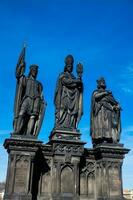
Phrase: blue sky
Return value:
(98, 33)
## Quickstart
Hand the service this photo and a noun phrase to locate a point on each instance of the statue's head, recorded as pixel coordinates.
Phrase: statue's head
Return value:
(33, 70)
(69, 60)
(101, 83)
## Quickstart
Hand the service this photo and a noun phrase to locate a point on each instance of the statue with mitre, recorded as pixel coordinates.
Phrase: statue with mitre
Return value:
(69, 96)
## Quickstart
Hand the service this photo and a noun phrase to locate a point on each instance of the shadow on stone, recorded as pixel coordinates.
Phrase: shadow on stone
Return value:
(40, 167)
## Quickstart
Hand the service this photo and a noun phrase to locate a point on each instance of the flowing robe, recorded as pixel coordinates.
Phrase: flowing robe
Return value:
(105, 120)
(68, 102)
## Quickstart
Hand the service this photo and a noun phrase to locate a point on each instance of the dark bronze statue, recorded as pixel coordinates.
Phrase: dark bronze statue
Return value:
(29, 105)
(68, 96)
(105, 115)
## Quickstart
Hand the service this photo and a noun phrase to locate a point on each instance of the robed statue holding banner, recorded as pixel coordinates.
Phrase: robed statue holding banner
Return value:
(29, 104)
(68, 96)
(105, 115)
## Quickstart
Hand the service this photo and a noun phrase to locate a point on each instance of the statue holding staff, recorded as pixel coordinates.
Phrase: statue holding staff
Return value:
(68, 96)
(29, 104)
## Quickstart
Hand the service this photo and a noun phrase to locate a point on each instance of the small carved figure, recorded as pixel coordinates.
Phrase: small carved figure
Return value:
(105, 115)
(29, 104)
(68, 96)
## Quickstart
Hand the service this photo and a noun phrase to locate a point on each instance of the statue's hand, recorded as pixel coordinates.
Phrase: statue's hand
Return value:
(79, 83)
(20, 69)
(21, 65)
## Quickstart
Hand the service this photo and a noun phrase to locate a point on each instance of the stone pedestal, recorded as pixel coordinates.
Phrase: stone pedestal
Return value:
(101, 172)
(63, 169)
(109, 160)
(20, 168)
(64, 164)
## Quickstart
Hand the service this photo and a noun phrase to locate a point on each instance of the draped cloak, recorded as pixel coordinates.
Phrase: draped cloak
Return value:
(105, 121)
(68, 102)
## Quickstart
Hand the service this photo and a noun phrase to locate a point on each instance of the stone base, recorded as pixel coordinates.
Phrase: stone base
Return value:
(16, 197)
(63, 170)
(65, 135)
(58, 197)
(20, 172)
(109, 160)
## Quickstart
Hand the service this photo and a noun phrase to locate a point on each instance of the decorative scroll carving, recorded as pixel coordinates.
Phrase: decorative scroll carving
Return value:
(87, 179)
(68, 158)
(68, 148)
(88, 169)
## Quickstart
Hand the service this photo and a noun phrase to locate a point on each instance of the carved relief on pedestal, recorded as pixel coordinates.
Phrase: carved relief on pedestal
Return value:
(114, 171)
(98, 179)
(21, 174)
(65, 175)
(87, 179)
(67, 180)
(108, 180)
(45, 178)
(68, 148)
(46, 183)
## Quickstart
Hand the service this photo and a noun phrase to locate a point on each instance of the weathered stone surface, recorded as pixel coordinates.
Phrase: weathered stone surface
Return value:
(29, 104)
(20, 168)
(109, 159)
(105, 117)
(68, 98)
(65, 135)
(63, 170)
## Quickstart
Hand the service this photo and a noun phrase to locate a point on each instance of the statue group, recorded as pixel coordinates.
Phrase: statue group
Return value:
(63, 168)
(30, 105)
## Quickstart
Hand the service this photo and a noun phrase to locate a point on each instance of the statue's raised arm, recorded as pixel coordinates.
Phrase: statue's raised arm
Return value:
(29, 107)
